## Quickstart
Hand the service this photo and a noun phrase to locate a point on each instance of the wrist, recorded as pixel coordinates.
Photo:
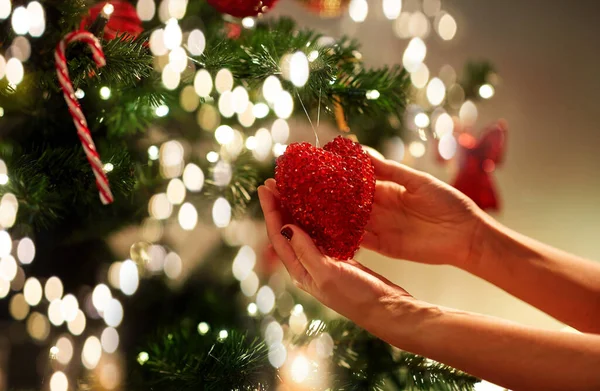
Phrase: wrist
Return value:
(487, 241)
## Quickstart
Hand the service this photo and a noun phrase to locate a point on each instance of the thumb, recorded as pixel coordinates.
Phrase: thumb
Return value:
(306, 251)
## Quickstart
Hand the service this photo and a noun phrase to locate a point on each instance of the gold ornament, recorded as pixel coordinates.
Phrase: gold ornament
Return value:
(140, 254)
(326, 8)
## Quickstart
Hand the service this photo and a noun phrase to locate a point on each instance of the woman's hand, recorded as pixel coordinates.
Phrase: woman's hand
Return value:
(420, 218)
(345, 286)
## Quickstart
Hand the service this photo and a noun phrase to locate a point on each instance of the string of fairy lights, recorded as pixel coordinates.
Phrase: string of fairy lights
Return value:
(42, 303)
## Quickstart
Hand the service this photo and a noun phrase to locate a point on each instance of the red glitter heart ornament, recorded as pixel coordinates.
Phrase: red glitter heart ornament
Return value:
(329, 192)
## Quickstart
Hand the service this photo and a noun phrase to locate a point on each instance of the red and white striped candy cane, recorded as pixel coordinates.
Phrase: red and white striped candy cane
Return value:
(75, 109)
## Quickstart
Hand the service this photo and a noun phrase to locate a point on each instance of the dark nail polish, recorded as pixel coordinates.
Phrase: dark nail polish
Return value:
(287, 233)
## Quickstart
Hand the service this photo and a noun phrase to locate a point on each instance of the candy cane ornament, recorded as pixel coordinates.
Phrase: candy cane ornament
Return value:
(75, 109)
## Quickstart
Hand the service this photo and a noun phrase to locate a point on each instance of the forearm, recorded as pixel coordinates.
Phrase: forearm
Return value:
(562, 285)
(514, 356)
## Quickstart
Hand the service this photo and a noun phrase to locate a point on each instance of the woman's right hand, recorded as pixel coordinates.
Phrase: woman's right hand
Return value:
(420, 218)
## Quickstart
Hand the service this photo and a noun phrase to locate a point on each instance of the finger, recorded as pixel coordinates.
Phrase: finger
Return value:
(388, 170)
(281, 246)
(307, 253)
(371, 241)
(272, 185)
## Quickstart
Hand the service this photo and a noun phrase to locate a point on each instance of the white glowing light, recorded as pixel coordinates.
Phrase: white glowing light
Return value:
(418, 25)
(251, 143)
(59, 382)
(212, 157)
(14, 71)
(160, 111)
(177, 59)
(193, 177)
(486, 91)
(422, 120)
(468, 113)
(53, 289)
(243, 263)
(203, 328)
(173, 265)
(263, 144)
(8, 268)
(260, 110)
(105, 93)
(37, 19)
(487, 386)
(20, 21)
(108, 167)
(414, 54)
(401, 25)
(250, 285)
(284, 105)
(223, 334)
(113, 313)
(271, 89)
(447, 146)
(298, 322)
(280, 131)
(277, 355)
(77, 325)
(5, 8)
(273, 333)
(91, 353)
(79, 93)
(69, 307)
(157, 42)
(153, 152)
(203, 83)
(4, 287)
(159, 206)
(101, 296)
(5, 243)
(224, 81)
(252, 309)
(279, 149)
(196, 42)
(109, 340)
(358, 10)
(146, 9)
(417, 149)
(177, 8)
(128, 277)
(446, 27)
(265, 299)
(436, 91)
(444, 125)
(65, 350)
(188, 216)
(240, 99)
(172, 34)
(226, 104)
(221, 212)
(224, 134)
(313, 55)
(108, 9)
(392, 8)
(142, 358)
(176, 191)
(300, 369)
(248, 22)
(299, 69)
(32, 291)
(170, 77)
(54, 312)
(420, 76)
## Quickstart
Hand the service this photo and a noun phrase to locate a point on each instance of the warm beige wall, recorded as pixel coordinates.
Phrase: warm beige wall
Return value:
(547, 53)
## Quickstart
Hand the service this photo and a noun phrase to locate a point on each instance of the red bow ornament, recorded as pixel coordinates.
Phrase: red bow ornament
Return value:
(123, 19)
(477, 161)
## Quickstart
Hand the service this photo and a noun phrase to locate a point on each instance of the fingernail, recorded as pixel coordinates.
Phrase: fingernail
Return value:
(287, 233)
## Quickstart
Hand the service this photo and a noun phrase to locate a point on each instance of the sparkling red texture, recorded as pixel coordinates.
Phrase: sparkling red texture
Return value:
(124, 19)
(328, 192)
(242, 8)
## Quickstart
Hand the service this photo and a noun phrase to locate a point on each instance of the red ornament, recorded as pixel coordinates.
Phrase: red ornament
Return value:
(123, 19)
(242, 8)
(329, 192)
(477, 161)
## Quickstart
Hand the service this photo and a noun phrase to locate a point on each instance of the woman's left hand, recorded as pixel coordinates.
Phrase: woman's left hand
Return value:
(344, 286)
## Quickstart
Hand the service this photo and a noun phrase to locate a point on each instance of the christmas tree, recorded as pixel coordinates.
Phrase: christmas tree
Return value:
(134, 136)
